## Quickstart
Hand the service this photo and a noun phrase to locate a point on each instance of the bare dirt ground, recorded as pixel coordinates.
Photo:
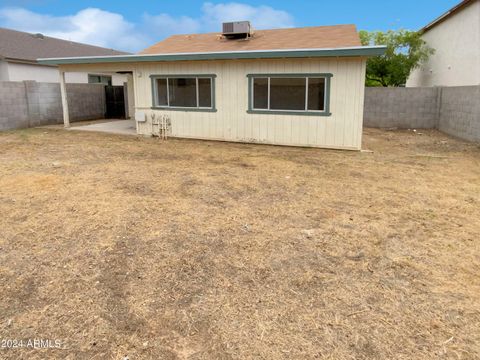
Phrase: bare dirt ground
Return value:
(132, 247)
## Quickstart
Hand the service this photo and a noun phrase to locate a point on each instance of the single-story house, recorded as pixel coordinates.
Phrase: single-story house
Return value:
(295, 86)
(19, 52)
(455, 36)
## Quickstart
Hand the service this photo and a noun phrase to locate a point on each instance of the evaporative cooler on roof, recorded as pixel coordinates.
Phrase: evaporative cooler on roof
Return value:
(236, 29)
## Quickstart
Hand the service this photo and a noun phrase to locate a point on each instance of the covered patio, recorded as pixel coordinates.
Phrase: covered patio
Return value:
(128, 101)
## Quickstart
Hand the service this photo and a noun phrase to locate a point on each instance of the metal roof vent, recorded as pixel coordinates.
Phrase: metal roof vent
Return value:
(236, 29)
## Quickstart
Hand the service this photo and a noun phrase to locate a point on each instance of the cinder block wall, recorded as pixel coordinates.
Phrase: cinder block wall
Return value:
(400, 107)
(13, 106)
(453, 110)
(460, 112)
(30, 103)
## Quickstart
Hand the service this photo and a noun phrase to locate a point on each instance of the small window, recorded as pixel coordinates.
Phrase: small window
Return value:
(205, 92)
(285, 93)
(99, 79)
(183, 92)
(316, 94)
(260, 89)
(162, 97)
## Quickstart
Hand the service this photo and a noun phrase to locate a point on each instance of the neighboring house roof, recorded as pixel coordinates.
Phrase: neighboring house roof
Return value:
(316, 37)
(22, 46)
(447, 14)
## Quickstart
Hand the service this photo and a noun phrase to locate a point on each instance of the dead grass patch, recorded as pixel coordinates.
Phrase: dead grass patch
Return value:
(124, 246)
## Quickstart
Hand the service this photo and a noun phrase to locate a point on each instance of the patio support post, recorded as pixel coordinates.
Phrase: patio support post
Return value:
(63, 92)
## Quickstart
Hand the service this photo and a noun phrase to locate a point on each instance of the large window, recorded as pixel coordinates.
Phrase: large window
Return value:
(290, 93)
(184, 92)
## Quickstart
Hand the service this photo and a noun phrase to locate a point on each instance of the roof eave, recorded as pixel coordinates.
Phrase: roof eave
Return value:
(23, 61)
(362, 51)
(445, 16)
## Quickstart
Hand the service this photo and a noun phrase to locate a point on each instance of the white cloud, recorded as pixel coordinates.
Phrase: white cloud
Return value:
(103, 28)
(261, 17)
(90, 26)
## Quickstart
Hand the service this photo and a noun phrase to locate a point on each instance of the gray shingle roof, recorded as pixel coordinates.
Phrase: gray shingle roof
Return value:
(30, 47)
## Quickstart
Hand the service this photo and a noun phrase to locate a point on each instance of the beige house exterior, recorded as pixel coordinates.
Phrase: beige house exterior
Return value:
(455, 36)
(252, 96)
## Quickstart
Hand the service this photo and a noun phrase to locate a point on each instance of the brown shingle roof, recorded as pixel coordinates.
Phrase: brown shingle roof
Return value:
(317, 37)
(28, 47)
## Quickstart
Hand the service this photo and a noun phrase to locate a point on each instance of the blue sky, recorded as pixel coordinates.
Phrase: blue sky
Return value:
(133, 25)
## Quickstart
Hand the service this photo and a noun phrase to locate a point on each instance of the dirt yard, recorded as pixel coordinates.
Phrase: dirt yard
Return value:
(122, 247)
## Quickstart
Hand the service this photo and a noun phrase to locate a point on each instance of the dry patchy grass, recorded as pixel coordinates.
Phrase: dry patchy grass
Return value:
(124, 246)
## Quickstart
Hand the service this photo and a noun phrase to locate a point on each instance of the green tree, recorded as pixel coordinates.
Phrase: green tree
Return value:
(405, 51)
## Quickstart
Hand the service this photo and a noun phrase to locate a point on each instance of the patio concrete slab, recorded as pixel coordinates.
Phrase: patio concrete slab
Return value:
(123, 127)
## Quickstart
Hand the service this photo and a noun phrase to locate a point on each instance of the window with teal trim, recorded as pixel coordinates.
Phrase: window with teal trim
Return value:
(289, 93)
(183, 92)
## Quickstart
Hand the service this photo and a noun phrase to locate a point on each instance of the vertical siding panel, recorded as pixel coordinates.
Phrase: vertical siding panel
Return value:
(217, 68)
(348, 132)
(359, 109)
(189, 126)
(251, 126)
(147, 90)
(194, 119)
(355, 118)
(141, 91)
(350, 137)
(207, 120)
(298, 130)
(259, 123)
(223, 119)
(243, 127)
(303, 122)
(232, 99)
(228, 101)
(288, 119)
(287, 66)
(334, 93)
(279, 128)
(350, 100)
(271, 120)
(313, 120)
(323, 68)
(212, 116)
(231, 86)
(343, 75)
(224, 103)
(284, 121)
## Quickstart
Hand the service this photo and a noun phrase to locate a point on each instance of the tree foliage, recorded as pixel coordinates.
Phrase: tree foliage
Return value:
(405, 51)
